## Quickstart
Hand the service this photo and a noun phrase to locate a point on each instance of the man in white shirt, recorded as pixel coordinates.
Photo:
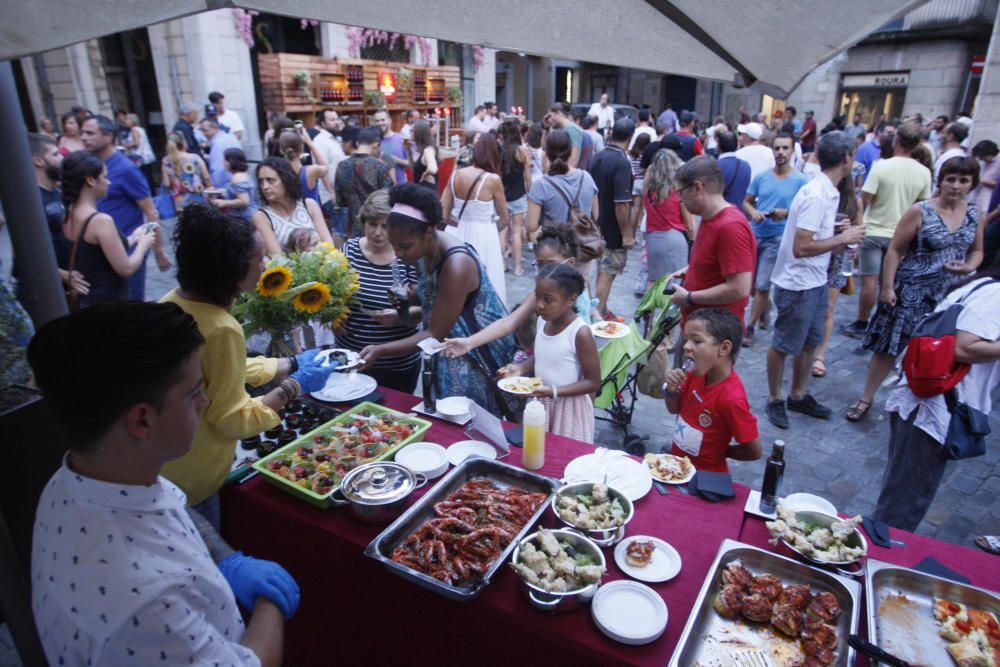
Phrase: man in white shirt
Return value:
(327, 146)
(478, 122)
(643, 127)
(800, 282)
(409, 118)
(605, 114)
(757, 155)
(229, 120)
(123, 573)
(936, 136)
(954, 135)
(492, 119)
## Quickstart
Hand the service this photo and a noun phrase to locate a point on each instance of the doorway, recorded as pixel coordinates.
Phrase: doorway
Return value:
(680, 91)
(131, 80)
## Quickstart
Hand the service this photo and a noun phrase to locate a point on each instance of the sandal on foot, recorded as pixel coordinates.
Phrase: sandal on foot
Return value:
(819, 368)
(989, 544)
(858, 411)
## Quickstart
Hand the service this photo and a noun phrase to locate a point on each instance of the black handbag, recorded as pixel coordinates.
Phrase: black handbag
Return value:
(967, 430)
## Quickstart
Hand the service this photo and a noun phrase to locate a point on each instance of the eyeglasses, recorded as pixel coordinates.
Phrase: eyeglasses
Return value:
(689, 185)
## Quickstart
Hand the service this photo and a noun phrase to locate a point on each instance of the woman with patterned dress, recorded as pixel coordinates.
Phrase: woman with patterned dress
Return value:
(184, 174)
(456, 296)
(937, 242)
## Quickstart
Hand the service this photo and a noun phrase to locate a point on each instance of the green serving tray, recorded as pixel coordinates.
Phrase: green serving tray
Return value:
(323, 501)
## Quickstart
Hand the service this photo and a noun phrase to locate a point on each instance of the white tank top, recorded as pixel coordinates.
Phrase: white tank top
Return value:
(476, 211)
(555, 356)
(284, 226)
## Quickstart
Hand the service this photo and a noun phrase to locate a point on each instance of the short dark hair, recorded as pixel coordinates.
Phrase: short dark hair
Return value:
(833, 147)
(236, 158)
(784, 135)
(215, 96)
(104, 124)
(479, 107)
(321, 115)
(287, 175)
(909, 135)
(421, 198)
(622, 130)
(578, 115)
(213, 252)
(705, 169)
(791, 110)
(212, 122)
(722, 325)
(727, 142)
(350, 133)
(39, 143)
(489, 104)
(961, 164)
(957, 130)
(644, 115)
(369, 136)
(589, 121)
(942, 117)
(568, 279)
(94, 365)
(982, 149)
(560, 236)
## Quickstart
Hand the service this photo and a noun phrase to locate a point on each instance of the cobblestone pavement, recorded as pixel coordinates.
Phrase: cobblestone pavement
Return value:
(834, 458)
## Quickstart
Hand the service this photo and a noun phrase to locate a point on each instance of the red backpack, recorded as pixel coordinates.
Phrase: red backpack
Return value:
(929, 363)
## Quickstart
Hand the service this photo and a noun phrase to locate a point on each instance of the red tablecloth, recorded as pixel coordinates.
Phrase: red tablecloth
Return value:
(354, 611)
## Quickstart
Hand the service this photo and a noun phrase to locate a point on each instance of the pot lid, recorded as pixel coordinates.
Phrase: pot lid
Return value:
(378, 483)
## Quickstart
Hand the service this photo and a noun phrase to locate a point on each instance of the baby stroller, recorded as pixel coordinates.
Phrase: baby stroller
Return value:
(622, 360)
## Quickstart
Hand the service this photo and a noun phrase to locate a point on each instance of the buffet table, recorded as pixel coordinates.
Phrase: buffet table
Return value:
(354, 611)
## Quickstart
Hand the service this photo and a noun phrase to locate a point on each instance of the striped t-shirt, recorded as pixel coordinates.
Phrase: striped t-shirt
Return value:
(373, 294)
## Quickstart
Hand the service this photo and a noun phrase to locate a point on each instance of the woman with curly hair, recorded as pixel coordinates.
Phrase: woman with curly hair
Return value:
(218, 258)
(455, 293)
(284, 207)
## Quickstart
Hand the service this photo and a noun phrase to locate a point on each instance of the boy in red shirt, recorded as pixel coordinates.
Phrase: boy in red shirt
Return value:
(709, 400)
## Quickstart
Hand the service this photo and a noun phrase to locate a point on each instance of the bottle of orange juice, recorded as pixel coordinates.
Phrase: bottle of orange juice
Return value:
(534, 435)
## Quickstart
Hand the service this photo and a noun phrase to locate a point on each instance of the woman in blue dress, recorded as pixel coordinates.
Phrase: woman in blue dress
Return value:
(455, 296)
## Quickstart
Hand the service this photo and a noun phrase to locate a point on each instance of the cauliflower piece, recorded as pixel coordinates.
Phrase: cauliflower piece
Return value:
(842, 529)
(802, 544)
(588, 574)
(564, 566)
(821, 538)
(526, 573)
(548, 542)
(599, 492)
(585, 522)
(557, 586)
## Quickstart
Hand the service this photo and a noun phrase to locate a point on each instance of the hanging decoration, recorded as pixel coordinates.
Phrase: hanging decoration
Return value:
(367, 37)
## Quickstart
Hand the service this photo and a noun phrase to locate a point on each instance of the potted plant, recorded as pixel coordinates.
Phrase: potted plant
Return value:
(404, 79)
(453, 96)
(375, 98)
(302, 79)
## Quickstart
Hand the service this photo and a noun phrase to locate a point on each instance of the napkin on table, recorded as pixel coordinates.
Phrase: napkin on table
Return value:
(713, 486)
(931, 565)
(878, 531)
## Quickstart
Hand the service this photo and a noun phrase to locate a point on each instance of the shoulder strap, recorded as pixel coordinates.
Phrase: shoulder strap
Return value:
(560, 191)
(469, 193)
(982, 284)
(579, 189)
(76, 243)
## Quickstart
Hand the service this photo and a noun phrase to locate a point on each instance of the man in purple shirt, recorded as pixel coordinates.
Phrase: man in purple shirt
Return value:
(128, 201)
(392, 148)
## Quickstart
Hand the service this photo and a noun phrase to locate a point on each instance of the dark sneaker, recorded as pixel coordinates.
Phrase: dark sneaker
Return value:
(765, 322)
(748, 337)
(807, 405)
(855, 329)
(776, 413)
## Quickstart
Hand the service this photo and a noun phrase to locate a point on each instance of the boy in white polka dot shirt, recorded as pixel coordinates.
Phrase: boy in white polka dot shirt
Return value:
(123, 573)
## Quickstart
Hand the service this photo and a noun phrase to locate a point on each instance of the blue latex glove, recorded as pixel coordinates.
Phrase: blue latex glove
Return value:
(250, 578)
(312, 377)
(307, 357)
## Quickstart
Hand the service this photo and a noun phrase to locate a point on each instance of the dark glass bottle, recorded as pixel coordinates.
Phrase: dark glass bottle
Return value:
(427, 380)
(773, 474)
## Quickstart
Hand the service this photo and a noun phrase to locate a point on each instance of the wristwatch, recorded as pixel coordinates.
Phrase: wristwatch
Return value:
(690, 300)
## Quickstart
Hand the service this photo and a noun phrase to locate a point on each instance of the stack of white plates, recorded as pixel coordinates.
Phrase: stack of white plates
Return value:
(462, 450)
(424, 457)
(629, 612)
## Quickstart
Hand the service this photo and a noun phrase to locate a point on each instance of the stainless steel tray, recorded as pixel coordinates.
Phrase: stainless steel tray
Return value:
(901, 611)
(709, 640)
(503, 475)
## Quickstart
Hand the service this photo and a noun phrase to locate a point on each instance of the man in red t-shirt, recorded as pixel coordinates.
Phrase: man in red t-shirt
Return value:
(808, 136)
(722, 260)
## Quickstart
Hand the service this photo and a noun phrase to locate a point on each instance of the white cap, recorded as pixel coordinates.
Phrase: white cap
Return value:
(752, 130)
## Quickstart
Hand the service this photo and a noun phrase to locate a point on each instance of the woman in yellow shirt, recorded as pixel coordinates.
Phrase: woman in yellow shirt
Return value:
(219, 257)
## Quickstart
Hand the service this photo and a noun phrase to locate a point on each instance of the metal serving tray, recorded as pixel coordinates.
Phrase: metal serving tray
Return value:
(710, 640)
(501, 474)
(901, 611)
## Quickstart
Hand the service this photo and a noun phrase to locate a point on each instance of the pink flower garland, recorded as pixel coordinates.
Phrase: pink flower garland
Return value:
(243, 18)
(368, 37)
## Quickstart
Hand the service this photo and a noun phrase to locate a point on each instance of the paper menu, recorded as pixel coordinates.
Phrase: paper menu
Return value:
(430, 345)
(486, 427)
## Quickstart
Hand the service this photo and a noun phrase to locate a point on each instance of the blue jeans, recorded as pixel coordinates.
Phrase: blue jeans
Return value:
(336, 217)
(767, 255)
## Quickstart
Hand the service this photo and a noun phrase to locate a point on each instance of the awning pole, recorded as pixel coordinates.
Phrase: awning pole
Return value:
(22, 205)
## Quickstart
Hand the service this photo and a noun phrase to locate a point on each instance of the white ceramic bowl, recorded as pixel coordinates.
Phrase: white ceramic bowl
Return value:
(453, 406)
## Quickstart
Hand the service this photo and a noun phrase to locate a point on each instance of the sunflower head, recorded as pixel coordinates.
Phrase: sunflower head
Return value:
(274, 281)
(188, 167)
(312, 299)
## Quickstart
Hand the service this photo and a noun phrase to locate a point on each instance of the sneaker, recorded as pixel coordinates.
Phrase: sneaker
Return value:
(808, 405)
(855, 329)
(776, 413)
(748, 337)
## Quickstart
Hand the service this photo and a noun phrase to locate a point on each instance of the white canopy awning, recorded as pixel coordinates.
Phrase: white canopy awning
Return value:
(776, 43)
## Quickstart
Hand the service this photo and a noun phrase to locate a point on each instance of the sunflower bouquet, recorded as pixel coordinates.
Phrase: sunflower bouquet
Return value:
(311, 286)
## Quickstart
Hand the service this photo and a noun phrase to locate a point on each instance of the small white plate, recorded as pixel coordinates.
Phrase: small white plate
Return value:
(453, 406)
(620, 472)
(461, 421)
(687, 478)
(346, 387)
(629, 612)
(353, 358)
(507, 384)
(807, 502)
(620, 329)
(463, 449)
(663, 566)
(424, 457)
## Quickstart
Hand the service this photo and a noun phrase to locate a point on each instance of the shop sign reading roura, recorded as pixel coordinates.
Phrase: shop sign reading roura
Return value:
(879, 80)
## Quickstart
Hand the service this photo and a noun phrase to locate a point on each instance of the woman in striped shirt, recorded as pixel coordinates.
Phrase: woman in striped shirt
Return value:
(373, 320)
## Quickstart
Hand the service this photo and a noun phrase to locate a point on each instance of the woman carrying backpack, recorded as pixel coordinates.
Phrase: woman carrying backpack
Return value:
(920, 426)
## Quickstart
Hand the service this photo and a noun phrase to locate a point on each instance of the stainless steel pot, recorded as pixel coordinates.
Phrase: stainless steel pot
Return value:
(603, 537)
(855, 539)
(378, 492)
(570, 600)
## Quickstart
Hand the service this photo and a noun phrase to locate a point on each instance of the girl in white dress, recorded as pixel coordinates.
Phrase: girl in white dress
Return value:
(565, 355)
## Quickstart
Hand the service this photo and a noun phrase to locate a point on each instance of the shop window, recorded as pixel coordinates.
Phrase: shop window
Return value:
(564, 84)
